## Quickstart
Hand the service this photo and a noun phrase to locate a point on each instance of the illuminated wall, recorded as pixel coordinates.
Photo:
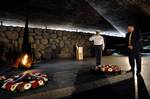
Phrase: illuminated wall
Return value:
(46, 43)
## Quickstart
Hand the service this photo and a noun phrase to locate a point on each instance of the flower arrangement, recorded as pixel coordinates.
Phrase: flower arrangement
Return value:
(25, 81)
(106, 69)
(2, 77)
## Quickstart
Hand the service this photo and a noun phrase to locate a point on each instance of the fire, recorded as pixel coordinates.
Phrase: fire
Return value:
(23, 61)
(26, 61)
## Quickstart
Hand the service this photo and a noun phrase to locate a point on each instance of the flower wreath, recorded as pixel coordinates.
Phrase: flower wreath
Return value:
(107, 69)
(24, 81)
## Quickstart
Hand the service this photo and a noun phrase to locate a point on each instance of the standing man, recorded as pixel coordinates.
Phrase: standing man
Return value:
(99, 46)
(134, 45)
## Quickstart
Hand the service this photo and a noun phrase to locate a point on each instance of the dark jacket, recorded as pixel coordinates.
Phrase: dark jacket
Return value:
(135, 41)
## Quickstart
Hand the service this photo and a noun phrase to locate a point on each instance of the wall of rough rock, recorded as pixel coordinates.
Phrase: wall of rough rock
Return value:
(47, 44)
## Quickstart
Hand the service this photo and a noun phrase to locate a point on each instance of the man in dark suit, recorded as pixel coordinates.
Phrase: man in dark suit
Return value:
(133, 41)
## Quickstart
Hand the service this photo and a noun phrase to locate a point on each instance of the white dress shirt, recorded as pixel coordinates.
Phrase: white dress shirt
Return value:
(98, 40)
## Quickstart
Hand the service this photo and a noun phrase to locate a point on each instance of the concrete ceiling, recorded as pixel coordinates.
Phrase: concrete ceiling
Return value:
(107, 15)
(73, 12)
(122, 12)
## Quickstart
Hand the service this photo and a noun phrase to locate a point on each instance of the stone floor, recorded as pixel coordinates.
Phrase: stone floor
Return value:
(137, 87)
(67, 77)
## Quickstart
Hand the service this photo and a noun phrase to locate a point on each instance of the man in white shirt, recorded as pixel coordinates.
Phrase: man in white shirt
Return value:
(99, 46)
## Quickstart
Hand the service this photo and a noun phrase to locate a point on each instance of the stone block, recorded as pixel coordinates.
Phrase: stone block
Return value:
(20, 40)
(18, 29)
(54, 36)
(44, 41)
(37, 41)
(38, 31)
(31, 39)
(2, 34)
(61, 44)
(10, 28)
(12, 35)
(38, 37)
(3, 28)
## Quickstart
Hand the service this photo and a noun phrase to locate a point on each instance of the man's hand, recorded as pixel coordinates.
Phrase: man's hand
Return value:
(130, 47)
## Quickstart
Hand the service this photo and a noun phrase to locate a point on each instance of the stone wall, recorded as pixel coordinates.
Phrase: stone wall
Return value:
(47, 44)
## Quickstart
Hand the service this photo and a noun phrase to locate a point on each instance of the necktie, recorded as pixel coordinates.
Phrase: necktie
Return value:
(130, 36)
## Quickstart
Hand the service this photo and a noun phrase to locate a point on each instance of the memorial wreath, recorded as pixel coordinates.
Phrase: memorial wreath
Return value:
(24, 81)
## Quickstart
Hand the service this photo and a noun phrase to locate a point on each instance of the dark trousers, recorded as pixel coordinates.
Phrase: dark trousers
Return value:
(98, 54)
(135, 57)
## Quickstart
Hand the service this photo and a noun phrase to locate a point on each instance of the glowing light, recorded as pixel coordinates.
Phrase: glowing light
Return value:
(25, 59)
(71, 28)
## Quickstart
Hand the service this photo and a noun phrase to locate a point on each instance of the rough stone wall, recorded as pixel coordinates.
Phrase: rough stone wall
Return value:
(47, 44)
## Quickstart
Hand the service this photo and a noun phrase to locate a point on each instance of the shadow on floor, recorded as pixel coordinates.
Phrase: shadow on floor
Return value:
(142, 90)
(105, 92)
(121, 90)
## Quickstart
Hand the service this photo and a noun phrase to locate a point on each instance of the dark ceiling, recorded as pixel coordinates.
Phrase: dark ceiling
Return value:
(104, 14)
(74, 12)
(122, 12)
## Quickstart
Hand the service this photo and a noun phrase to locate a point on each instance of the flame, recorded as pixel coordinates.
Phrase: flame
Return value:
(26, 61)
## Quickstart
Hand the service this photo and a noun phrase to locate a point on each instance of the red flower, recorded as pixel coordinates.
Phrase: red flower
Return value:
(34, 84)
(8, 85)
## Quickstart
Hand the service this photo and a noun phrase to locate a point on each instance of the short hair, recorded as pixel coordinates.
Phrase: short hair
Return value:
(98, 31)
(132, 25)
